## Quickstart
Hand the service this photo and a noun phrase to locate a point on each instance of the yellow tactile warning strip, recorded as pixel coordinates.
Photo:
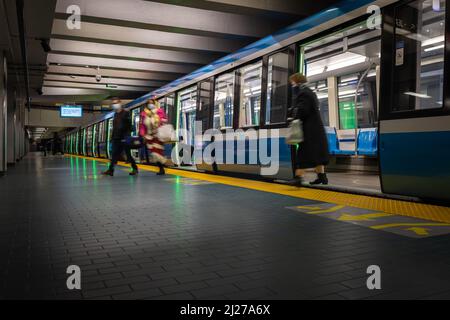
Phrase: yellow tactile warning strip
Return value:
(398, 207)
(398, 224)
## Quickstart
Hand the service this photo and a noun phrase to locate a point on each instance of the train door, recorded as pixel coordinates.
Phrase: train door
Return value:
(95, 140)
(171, 112)
(135, 119)
(187, 102)
(109, 138)
(343, 70)
(89, 140)
(84, 142)
(102, 139)
(77, 142)
(204, 115)
(415, 100)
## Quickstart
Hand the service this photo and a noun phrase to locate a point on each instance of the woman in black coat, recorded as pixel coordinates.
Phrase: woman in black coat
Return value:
(313, 151)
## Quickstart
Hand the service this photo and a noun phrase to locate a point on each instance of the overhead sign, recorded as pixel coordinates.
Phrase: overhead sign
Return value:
(71, 111)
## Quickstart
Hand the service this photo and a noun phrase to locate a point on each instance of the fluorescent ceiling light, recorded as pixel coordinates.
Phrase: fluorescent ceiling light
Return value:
(434, 48)
(431, 41)
(418, 95)
(339, 61)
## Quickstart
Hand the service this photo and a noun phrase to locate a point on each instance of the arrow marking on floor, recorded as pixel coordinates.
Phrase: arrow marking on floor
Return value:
(419, 231)
(364, 217)
(314, 211)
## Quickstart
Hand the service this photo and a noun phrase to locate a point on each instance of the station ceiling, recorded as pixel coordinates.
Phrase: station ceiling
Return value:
(137, 46)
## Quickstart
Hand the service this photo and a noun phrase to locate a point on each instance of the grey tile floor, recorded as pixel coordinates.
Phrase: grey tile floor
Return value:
(151, 237)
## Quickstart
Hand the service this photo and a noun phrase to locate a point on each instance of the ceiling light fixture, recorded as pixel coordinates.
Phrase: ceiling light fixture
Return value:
(418, 95)
(434, 48)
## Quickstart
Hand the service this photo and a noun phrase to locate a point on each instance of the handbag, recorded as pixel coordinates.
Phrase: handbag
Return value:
(166, 134)
(295, 132)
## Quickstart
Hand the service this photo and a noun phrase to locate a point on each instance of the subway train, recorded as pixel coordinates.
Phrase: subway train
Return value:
(380, 70)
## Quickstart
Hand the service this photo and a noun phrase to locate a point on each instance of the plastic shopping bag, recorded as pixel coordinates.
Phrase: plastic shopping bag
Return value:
(166, 133)
(295, 132)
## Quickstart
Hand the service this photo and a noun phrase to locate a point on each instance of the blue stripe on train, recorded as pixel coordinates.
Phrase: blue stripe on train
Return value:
(416, 164)
(416, 153)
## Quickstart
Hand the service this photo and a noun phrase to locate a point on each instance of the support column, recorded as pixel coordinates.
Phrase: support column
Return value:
(11, 133)
(3, 116)
(333, 102)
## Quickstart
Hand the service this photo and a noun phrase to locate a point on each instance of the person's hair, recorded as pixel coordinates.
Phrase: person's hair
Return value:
(298, 78)
(116, 100)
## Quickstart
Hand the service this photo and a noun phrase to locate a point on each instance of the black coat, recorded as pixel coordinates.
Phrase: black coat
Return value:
(121, 125)
(313, 151)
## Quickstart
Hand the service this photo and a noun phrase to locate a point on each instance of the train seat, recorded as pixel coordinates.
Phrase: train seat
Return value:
(368, 142)
(333, 143)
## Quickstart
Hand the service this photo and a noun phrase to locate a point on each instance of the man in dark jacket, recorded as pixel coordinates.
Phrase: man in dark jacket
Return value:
(121, 130)
(313, 151)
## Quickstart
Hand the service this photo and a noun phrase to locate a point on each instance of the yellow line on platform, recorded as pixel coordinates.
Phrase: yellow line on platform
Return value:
(399, 207)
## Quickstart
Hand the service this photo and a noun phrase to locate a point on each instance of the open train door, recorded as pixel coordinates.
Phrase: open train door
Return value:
(414, 124)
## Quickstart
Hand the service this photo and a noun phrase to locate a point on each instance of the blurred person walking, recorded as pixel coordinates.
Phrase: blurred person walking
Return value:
(152, 118)
(121, 131)
(313, 151)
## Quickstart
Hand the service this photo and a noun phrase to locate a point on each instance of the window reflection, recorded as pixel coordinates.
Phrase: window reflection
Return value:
(277, 88)
(250, 95)
(223, 101)
(419, 56)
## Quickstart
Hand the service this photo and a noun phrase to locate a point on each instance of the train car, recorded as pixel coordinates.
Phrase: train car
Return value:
(380, 71)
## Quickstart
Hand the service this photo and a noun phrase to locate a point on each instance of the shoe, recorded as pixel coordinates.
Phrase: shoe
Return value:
(161, 170)
(321, 179)
(108, 173)
(134, 172)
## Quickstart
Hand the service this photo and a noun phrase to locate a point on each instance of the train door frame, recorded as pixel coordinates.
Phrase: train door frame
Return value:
(109, 125)
(335, 121)
(423, 179)
(89, 140)
(95, 152)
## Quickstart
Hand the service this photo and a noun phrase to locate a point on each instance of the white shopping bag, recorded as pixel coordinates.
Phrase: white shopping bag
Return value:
(295, 132)
(167, 134)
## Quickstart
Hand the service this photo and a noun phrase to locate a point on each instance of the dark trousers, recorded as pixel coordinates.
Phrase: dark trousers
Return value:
(117, 148)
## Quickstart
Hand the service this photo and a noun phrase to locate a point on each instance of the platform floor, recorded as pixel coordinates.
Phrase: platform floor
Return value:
(175, 237)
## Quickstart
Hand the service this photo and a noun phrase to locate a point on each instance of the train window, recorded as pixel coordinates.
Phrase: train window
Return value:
(170, 108)
(277, 87)
(109, 138)
(419, 56)
(135, 117)
(188, 104)
(321, 90)
(250, 95)
(364, 115)
(340, 69)
(204, 103)
(101, 132)
(224, 101)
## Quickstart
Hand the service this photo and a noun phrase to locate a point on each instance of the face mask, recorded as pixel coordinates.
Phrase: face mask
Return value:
(151, 106)
(116, 106)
